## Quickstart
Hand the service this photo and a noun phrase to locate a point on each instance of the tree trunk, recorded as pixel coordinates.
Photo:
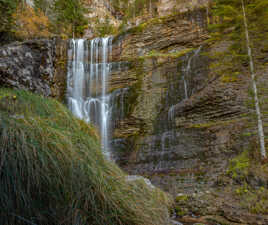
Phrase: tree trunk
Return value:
(252, 71)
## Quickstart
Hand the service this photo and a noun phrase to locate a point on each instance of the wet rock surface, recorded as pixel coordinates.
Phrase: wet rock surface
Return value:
(181, 120)
(178, 115)
(34, 66)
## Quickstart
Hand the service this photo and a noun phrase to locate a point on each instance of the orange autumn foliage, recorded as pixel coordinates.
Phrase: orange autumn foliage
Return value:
(30, 23)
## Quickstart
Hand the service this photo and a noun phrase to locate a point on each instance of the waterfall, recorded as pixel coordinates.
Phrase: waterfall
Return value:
(187, 70)
(88, 72)
(186, 73)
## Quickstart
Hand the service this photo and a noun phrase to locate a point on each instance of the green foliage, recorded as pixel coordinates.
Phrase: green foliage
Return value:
(70, 14)
(44, 5)
(228, 19)
(175, 55)
(67, 17)
(104, 28)
(7, 8)
(258, 201)
(254, 200)
(180, 211)
(243, 189)
(53, 172)
(258, 22)
(228, 14)
(238, 167)
(135, 8)
(182, 198)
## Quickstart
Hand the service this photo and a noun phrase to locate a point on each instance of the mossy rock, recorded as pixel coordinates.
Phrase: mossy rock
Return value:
(174, 55)
(180, 211)
(238, 167)
(181, 198)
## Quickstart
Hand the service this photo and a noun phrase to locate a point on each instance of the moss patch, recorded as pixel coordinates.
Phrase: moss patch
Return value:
(254, 200)
(174, 55)
(181, 198)
(239, 165)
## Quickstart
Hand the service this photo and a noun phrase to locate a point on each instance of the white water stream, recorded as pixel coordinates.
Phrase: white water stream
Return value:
(88, 73)
(186, 72)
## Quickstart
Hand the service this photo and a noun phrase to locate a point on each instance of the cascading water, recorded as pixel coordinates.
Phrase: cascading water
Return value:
(169, 136)
(88, 73)
(186, 72)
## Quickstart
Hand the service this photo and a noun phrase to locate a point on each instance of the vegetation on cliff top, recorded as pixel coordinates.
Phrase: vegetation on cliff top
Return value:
(129, 9)
(7, 7)
(70, 15)
(53, 172)
(48, 18)
(66, 17)
(30, 23)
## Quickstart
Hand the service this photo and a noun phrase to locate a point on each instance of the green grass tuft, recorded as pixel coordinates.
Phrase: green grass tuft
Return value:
(238, 167)
(52, 171)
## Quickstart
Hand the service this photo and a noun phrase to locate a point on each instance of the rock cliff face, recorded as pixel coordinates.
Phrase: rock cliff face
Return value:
(178, 114)
(164, 7)
(38, 66)
(182, 113)
(99, 12)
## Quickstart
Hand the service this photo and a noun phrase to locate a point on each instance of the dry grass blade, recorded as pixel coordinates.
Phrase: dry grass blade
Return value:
(52, 171)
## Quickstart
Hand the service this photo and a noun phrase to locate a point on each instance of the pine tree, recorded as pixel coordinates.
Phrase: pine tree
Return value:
(71, 12)
(43, 5)
(7, 8)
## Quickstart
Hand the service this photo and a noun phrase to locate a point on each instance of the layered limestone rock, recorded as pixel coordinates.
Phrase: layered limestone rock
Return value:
(102, 12)
(145, 57)
(167, 34)
(38, 66)
(179, 115)
(185, 119)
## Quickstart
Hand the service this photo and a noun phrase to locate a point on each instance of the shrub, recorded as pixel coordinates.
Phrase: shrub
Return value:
(239, 166)
(30, 23)
(52, 171)
(104, 28)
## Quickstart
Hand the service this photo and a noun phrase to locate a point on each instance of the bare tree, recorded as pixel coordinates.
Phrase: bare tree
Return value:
(255, 90)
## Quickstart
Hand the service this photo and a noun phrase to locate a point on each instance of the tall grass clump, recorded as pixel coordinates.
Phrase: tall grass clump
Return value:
(52, 171)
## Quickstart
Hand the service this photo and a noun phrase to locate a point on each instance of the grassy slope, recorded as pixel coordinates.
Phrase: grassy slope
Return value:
(52, 171)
